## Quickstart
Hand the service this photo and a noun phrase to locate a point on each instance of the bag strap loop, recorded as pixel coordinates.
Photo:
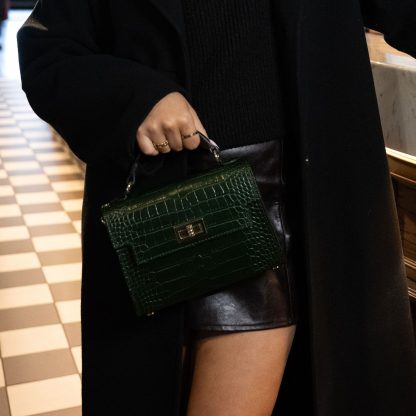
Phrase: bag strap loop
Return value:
(206, 143)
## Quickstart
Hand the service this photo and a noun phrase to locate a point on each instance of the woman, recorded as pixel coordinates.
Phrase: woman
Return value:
(105, 75)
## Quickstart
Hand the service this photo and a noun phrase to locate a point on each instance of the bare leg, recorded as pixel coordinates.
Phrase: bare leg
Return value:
(238, 373)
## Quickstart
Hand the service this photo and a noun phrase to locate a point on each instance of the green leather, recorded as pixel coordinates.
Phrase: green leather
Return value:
(237, 239)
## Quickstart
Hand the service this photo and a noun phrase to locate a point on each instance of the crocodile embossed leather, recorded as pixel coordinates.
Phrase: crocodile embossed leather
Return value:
(192, 237)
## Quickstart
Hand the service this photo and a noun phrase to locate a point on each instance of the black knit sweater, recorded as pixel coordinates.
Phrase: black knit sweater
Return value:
(234, 72)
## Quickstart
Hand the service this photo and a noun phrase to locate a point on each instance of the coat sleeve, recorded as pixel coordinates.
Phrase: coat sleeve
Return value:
(93, 99)
(396, 19)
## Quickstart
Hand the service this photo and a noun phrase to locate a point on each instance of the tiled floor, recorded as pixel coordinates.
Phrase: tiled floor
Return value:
(41, 190)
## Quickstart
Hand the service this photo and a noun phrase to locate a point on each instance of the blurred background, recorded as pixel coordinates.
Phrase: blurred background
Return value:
(41, 191)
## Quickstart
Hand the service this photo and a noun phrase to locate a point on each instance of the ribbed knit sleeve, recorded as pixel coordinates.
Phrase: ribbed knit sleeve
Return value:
(234, 70)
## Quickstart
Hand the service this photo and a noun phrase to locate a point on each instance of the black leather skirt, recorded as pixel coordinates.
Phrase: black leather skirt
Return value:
(267, 300)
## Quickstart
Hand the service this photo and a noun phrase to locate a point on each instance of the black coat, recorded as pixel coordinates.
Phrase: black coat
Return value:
(93, 69)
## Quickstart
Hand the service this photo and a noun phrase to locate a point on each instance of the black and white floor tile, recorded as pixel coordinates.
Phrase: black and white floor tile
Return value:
(41, 190)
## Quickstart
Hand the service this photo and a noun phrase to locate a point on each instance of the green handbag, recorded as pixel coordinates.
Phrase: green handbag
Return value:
(192, 237)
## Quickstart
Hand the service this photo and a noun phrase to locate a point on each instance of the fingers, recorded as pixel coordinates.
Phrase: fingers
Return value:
(187, 127)
(197, 121)
(146, 136)
(163, 129)
(172, 131)
(172, 134)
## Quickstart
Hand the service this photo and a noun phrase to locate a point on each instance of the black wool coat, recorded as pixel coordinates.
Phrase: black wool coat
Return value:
(93, 69)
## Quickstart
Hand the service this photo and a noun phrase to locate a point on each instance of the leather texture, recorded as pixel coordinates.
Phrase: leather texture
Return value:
(237, 239)
(269, 299)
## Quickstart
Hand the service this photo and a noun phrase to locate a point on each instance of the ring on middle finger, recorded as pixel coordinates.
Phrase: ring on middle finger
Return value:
(187, 136)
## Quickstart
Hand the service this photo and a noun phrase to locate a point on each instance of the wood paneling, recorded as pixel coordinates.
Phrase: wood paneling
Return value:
(403, 173)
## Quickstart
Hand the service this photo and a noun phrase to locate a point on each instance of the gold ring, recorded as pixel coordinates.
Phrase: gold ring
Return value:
(190, 135)
(160, 145)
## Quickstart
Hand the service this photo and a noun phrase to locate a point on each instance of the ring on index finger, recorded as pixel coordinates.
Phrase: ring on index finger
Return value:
(160, 145)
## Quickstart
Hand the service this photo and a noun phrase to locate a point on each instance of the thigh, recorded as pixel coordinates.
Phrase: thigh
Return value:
(226, 367)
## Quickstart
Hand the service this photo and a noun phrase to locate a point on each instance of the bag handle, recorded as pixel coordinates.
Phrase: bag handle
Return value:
(206, 143)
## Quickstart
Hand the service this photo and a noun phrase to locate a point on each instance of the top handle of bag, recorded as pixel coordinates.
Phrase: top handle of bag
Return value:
(205, 143)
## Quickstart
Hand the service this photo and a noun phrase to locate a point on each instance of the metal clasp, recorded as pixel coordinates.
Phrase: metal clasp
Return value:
(189, 230)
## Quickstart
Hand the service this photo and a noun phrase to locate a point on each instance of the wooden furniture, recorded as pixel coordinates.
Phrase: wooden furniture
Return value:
(403, 173)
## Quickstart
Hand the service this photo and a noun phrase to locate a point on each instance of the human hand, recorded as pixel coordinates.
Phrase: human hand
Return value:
(171, 118)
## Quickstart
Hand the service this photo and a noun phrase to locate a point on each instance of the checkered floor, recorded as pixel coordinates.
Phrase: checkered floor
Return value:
(41, 190)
